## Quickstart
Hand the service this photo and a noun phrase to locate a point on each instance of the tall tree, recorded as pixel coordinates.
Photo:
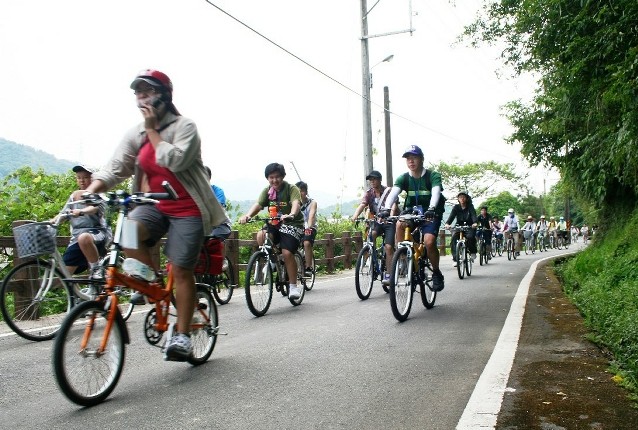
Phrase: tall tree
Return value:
(584, 116)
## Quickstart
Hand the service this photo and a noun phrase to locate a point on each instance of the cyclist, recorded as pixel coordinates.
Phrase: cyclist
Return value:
(282, 199)
(89, 231)
(529, 229)
(373, 199)
(541, 228)
(552, 228)
(510, 222)
(497, 229)
(463, 214)
(485, 223)
(423, 188)
(166, 147)
(221, 231)
(575, 232)
(584, 231)
(563, 229)
(309, 211)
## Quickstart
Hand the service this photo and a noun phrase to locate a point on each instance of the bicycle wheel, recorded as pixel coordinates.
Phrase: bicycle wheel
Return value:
(460, 259)
(482, 253)
(204, 327)
(401, 289)
(527, 245)
(559, 243)
(500, 247)
(566, 243)
(35, 300)
(494, 247)
(364, 272)
(223, 285)
(258, 284)
(310, 279)
(510, 248)
(468, 263)
(86, 375)
(301, 280)
(428, 295)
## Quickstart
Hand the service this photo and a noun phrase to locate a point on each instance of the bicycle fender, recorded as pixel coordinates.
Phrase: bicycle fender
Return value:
(119, 320)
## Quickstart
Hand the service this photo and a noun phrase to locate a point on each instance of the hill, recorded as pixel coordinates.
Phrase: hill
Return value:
(14, 156)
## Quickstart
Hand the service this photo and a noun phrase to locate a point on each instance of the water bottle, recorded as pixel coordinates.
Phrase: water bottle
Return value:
(272, 212)
(138, 269)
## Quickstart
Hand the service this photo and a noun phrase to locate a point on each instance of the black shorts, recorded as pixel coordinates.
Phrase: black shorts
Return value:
(310, 237)
(73, 256)
(287, 236)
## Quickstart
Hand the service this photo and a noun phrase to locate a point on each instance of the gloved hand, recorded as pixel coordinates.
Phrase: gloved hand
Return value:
(383, 213)
(430, 213)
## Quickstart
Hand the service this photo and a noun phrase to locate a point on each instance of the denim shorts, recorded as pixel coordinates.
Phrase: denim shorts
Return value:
(185, 235)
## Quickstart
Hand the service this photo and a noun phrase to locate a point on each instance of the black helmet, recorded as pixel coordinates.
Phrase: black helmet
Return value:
(374, 174)
(275, 167)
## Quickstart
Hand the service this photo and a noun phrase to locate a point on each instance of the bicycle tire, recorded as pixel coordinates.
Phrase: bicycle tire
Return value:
(499, 247)
(428, 295)
(23, 316)
(494, 247)
(527, 245)
(460, 259)
(468, 263)
(85, 377)
(301, 280)
(258, 284)
(203, 334)
(510, 249)
(310, 280)
(364, 272)
(221, 285)
(401, 285)
(482, 253)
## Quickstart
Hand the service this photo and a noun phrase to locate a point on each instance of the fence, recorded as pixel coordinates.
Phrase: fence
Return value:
(348, 244)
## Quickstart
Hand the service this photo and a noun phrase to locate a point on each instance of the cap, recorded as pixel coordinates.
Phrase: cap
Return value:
(412, 150)
(464, 192)
(510, 211)
(80, 168)
(374, 175)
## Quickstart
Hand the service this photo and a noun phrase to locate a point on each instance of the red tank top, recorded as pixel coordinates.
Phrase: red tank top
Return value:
(184, 206)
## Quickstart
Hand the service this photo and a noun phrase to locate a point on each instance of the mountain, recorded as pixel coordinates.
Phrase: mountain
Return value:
(14, 156)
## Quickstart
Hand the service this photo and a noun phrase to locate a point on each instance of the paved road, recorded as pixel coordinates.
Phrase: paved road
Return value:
(333, 362)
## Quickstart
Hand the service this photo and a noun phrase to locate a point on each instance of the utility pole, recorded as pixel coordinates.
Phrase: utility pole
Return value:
(388, 139)
(365, 92)
(366, 81)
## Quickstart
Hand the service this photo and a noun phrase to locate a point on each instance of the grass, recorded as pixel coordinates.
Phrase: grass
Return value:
(603, 283)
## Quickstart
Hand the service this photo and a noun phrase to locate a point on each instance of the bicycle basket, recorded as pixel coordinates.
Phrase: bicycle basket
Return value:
(34, 239)
(211, 258)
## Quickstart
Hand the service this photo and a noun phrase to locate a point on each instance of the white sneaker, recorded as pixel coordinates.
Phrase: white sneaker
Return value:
(294, 293)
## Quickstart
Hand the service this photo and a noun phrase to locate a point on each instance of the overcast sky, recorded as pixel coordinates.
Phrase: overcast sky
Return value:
(67, 66)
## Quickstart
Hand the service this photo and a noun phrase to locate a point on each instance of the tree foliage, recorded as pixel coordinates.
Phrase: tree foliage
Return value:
(479, 179)
(583, 118)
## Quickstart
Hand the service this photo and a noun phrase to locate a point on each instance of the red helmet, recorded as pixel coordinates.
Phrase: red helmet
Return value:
(155, 78)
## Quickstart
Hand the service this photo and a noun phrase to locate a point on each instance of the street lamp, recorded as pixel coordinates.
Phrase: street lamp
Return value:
(385, 60)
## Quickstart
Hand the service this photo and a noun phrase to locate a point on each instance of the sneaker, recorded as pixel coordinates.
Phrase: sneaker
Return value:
(386, 279)
(308, 272)
(97, 273)
(438, 281)
(293, 293)
(138, 299)
(179, 348)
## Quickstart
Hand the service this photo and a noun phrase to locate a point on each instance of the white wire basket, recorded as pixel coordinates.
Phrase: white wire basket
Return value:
(34, 239)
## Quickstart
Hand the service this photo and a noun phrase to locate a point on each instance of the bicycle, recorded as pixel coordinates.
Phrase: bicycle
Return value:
(88, 353)
(511, 251)
(529, 245)
(259, 274)
(410, 267)
(370, 264)
(497, 245)
(38, 294)
(542, 241)
(216, 270)
(484, 256)
(552, 241)
(308, 276)
(561, 240)
(463, 259)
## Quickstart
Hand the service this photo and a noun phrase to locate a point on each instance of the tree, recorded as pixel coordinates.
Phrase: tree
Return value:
(499, 205)
(480, 179)
(583, 119)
